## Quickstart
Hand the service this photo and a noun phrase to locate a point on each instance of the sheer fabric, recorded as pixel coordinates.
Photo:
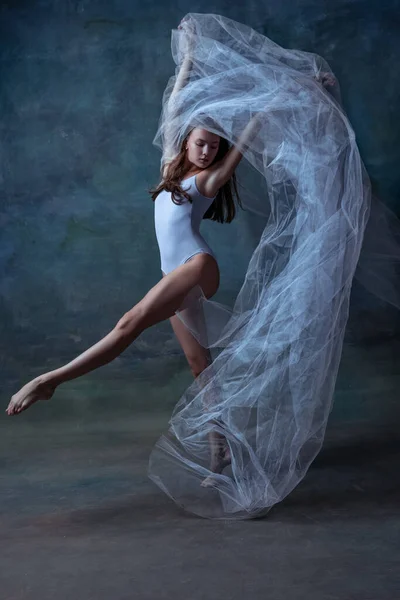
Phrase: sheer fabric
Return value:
(269, 389)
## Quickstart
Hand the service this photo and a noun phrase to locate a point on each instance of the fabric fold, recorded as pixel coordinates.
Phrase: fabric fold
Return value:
(269, 389)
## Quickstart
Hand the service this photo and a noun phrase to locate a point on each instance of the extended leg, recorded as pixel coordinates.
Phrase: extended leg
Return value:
(158, 304)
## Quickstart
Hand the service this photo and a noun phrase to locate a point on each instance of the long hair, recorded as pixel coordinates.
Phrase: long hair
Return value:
(223, 208)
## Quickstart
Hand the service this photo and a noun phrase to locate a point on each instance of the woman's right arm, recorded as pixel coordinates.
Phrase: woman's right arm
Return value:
(180, 82)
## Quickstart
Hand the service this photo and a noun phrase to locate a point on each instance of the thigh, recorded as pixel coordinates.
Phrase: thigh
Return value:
(176, 290)
(207, 271)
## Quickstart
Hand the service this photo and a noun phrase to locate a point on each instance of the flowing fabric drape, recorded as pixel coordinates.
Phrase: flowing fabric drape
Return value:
(269, 390)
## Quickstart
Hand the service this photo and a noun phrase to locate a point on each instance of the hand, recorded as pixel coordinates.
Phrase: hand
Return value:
(188, 28)
(187, 25)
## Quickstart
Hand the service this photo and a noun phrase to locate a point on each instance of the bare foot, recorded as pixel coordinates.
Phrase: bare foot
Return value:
(35, 390)
(220, 459)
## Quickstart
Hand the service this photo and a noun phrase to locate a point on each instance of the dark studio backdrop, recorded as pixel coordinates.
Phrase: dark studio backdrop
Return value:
(80, 97)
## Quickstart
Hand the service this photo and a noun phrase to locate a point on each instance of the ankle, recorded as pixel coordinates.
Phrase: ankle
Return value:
(48, 381)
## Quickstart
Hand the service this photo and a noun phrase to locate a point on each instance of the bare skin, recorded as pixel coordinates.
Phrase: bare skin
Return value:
(158, 304)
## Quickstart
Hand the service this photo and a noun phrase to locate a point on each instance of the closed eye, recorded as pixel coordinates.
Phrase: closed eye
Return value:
(213, 147)
(200, 140)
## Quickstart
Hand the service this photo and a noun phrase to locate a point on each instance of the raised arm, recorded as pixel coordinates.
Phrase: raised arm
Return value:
(223, 170)
(180, 82)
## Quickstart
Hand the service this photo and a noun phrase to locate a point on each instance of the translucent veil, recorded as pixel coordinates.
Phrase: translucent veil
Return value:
(269, 389)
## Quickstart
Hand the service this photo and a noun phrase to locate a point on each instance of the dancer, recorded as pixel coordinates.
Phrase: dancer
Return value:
(201, 174)
(263, 402)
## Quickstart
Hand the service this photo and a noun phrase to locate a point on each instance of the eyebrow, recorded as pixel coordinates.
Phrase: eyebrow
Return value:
(201, 140)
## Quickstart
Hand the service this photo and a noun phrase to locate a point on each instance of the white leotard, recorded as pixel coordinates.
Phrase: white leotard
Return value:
(177, 226)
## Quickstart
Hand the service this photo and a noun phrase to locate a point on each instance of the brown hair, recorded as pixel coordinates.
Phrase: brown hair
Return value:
(222, 208)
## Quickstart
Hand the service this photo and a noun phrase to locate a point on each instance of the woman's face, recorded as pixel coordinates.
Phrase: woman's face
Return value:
(202, 147)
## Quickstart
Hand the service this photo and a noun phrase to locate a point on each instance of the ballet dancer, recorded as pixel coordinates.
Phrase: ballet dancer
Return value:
(202, 173)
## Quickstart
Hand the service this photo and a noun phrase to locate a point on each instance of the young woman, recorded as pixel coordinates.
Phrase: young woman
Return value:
(263, 402)
(201, 174)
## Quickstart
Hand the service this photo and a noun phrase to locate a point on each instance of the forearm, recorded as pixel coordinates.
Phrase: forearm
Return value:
(250, 131)
(183, 75)
(180, 82)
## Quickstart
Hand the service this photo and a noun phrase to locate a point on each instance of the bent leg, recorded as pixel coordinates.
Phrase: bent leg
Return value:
(199, 359)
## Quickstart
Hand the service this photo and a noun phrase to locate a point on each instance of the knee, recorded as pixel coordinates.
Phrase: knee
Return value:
(131, 320)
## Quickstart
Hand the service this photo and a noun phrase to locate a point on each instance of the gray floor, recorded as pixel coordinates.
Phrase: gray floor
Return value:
(80, 520)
